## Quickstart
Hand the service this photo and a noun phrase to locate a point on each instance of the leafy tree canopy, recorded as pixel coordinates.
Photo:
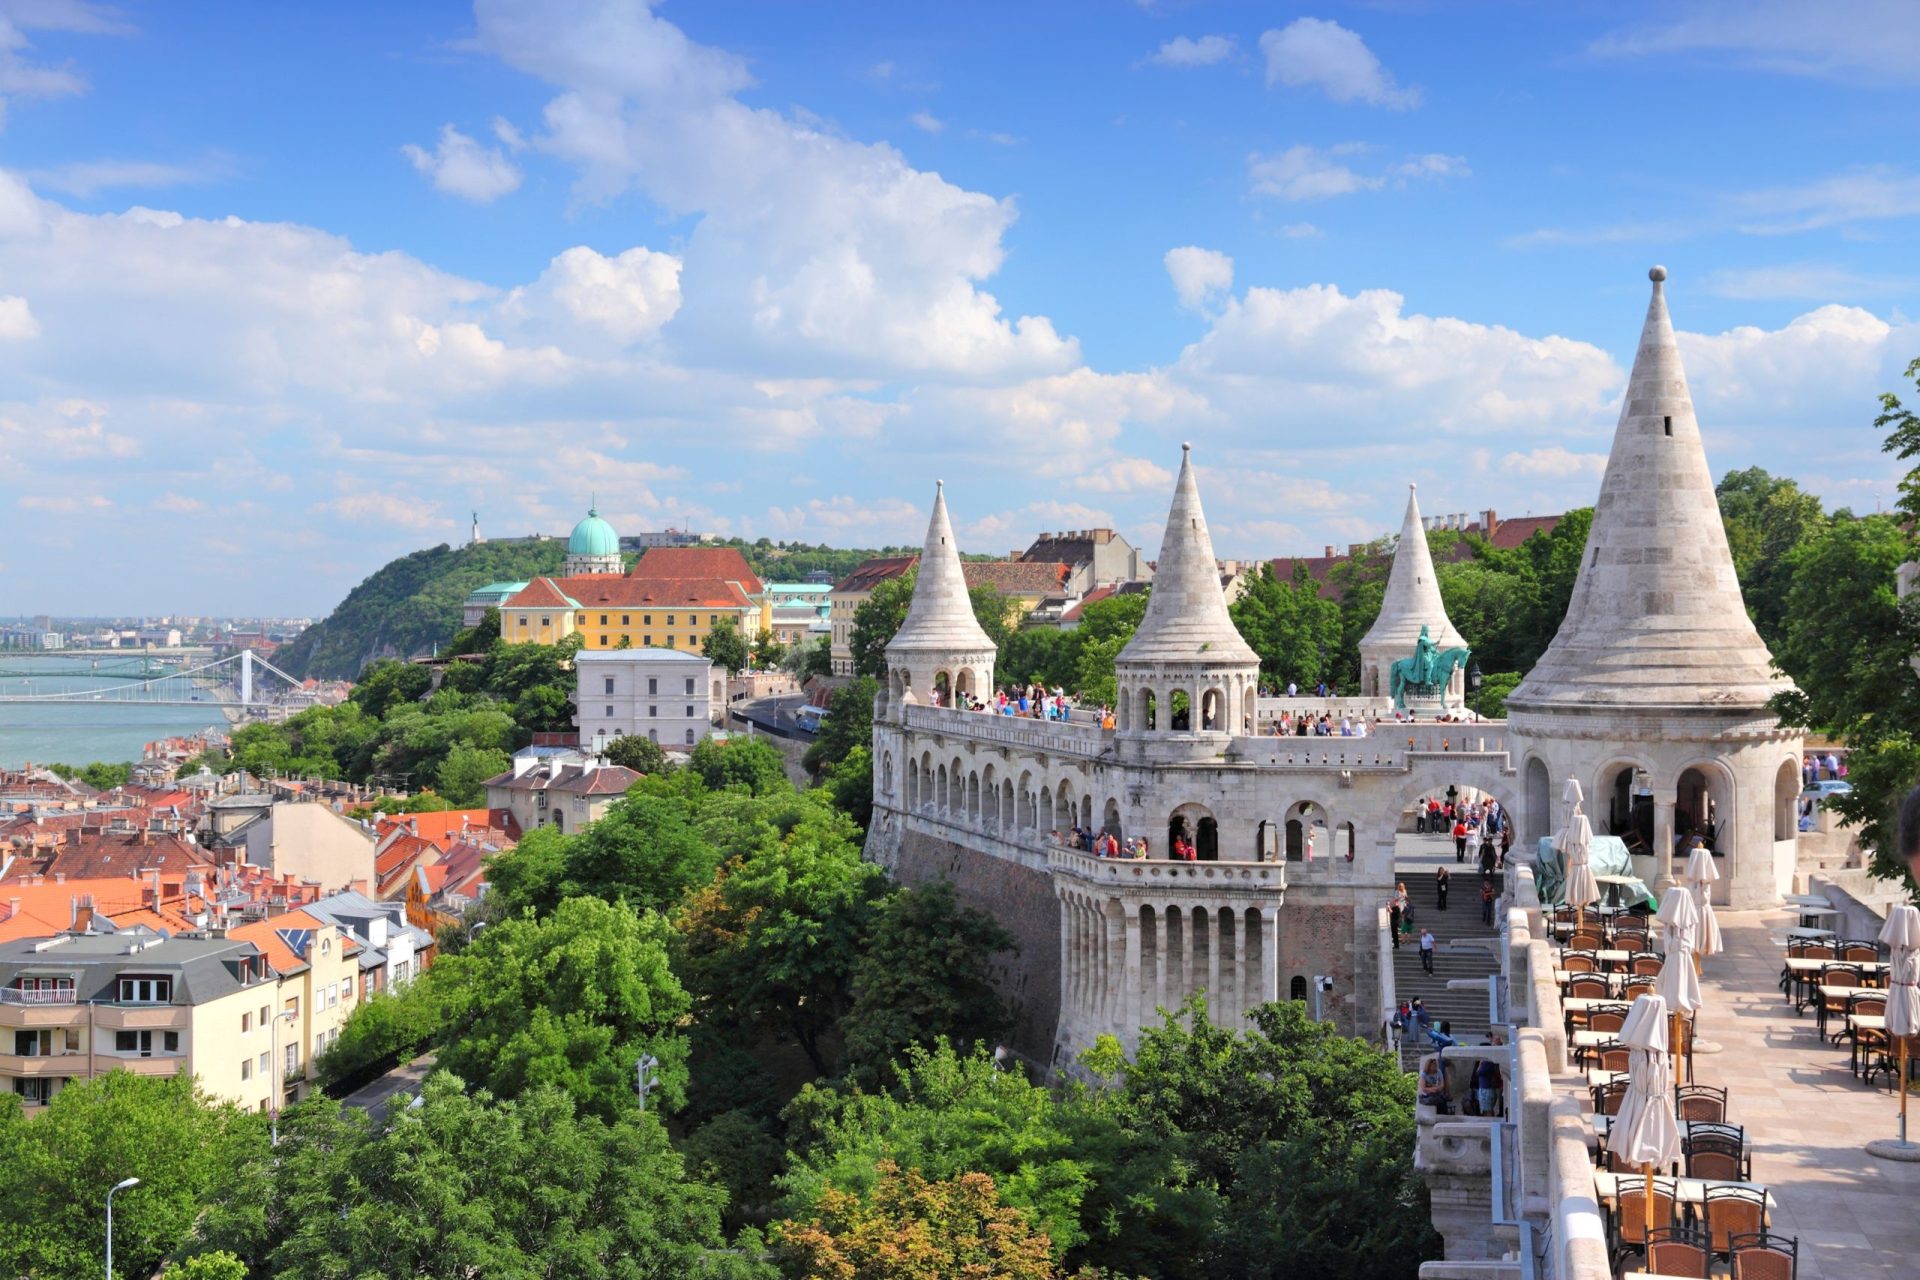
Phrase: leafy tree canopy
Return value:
(724, 646)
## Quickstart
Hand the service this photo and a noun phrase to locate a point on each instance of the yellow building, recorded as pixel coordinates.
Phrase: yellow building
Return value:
(670, 600)
(74, 1006)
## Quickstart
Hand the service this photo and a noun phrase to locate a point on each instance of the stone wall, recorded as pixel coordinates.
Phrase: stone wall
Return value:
(1020, 897)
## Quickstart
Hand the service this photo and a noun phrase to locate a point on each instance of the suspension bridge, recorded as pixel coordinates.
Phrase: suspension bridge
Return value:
(244, 682)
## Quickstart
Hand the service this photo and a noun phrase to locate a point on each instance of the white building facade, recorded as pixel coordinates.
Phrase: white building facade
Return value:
(661, 694)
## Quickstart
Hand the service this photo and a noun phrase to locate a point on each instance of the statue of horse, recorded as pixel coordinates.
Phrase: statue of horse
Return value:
(1427, 671)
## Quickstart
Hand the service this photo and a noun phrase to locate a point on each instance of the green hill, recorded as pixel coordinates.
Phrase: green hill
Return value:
(411, 605)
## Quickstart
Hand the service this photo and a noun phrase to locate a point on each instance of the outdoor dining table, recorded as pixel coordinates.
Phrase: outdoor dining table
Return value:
(1687, 1191)
(1806, 933)
(1597, 1077)
(1803, 970)
(1830, 992)
(1808, 903)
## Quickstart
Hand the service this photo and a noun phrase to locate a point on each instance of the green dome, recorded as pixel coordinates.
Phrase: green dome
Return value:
(593, 537)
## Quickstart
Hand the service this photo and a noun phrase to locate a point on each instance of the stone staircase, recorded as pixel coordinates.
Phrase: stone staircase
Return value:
(1459, 923)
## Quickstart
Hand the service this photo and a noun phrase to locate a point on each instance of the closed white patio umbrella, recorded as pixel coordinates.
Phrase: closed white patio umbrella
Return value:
(1701, 873)
(1678, 983)
(1901, 933)
(1575, 843)
(1645, 1132)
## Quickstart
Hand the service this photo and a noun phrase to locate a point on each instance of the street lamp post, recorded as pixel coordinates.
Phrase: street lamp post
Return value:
(279, 1074)
(122, 1185)
(644, 1080)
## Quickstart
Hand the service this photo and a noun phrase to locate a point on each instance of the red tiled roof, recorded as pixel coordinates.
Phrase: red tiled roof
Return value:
(440, 827)
(541, 593)
(607, 591)
(1092, 597)
(725, 563)
(1015, 577)
(869, 574)
(1512, 532)
(109, 853)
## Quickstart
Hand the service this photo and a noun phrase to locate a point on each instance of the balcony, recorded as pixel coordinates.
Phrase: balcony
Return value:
(142, 1017)
(41, 1065)
(1166, 874)
(12, 995)
(41, 1014)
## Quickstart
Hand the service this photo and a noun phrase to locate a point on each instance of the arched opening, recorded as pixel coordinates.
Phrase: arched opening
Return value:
(973, 799)
(1539, 818)
(1213, 709)
(990, 799)
(1006, 803)
(1306, 832)
(1698, 804)
(1110, 819)
(1296, 839)
(962, 685)
(942, 689)
(1149, 710)
(886, 774)
(940, 791)
(1086, 812)
(1063, 815)
(1297, 989)
(559, 820)
(1029, 818)
(1180, 712)
(1344, 842)
(1206, 844)
(1266, 842)
(1629, 804)
(1786, 794)
(913, 785)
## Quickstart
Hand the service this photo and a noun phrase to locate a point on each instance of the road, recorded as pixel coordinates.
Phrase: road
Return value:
(405, 1078)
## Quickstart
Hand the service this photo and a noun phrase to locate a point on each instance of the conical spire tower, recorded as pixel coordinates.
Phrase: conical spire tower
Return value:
(1412, 601)
(941, 647)
(1656, 618)
(1186, 644)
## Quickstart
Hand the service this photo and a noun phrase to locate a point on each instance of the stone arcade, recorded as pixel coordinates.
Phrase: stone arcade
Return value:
(1656, 678)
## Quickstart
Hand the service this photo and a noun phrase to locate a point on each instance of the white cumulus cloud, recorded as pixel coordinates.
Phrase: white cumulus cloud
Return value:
(16, 319)
(1185, 51)
(627, 297)
(1304, 172)
(1316, 53)
(460, 166)
(1198, 274)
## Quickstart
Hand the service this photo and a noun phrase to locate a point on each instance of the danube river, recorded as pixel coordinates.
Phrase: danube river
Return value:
(82, 732)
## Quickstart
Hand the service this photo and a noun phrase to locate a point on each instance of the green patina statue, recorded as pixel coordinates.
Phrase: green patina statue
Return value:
(1426, 673)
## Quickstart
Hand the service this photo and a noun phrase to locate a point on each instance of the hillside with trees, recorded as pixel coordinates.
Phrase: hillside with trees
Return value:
(412, 604)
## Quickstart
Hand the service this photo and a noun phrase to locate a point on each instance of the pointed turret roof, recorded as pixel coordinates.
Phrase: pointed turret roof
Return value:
(941, 614)
(1186, 618)
(1656, 618)
(1412, 600)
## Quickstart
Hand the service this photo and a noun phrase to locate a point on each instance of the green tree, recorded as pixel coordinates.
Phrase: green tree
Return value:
(752, 763)
(464, 773)
(924, 975)
(388, 683)
(1490, 699)
(876, 620)
(187, 1152)
(850, 784)
(646, 853)
(1277, 1133)
(573, 1000)
(1901, 426)
(1042, 655)
(384, 1030)
(642, 755)
(1294, 630)
(808, 660)
(768, 652)
(724, 647)
(775, 939)
(1766, 519)
(218, 1265)
(847, 725)
(464, 1185)
(951, 1114)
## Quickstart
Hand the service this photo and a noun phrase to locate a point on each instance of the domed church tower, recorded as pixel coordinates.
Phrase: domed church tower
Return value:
(1186, 676)
(940, 650)
(1411, 604)
(593, 547)
(1654, 691)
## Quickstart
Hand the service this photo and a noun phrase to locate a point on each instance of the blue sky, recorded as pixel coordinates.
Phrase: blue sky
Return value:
(288, 290)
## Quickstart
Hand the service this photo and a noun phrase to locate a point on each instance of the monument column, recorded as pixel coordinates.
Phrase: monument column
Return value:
(1186, 951)
(1662, 843)
(1240, 974)
(1213, 958)
(1269, 954)
(1131, 981)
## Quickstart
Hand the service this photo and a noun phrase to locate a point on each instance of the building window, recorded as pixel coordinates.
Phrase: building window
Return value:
(626, 619)
(605, 641)
(653, 685)
(293, 1057)
(609, 711)
(713, 619)
(170, 1041)
(646, 619)
(266, 1063)
(689, 686)
(647, 639)
(45, 990)
(523, 619)
(33, 1044)
(653, 735)
(689, 711)
(246, 1025)
(266, 1011)
(136, 1042)
(609, 684)
(603, 619)
(34, 1092)
(653, 711)
(689, 737)
(246, 1068)
(146, 990)
(669, 642)
(669, 619)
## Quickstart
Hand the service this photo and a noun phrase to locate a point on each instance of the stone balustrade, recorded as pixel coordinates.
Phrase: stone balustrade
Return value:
(1073, 736)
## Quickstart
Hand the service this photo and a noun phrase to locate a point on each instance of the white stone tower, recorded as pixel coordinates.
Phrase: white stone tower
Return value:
(940, 649)
(1186, 645)
(1654, 691)
(1412, 601)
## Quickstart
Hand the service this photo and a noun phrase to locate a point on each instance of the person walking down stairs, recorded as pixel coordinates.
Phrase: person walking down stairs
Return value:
(1440, 887)
(1426, 950)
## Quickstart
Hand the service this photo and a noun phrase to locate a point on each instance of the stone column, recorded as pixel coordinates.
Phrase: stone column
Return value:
(1240, 975)
(1213, 963)
(1132, 983)
(1162, 951)
(1186, 952)
(1662, 844)
(1269, 954)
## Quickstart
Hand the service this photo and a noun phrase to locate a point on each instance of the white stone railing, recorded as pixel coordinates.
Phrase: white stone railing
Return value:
(1076, 736)
(1168, 873)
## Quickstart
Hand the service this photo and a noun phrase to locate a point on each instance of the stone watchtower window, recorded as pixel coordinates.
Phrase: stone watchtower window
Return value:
(1669, 421)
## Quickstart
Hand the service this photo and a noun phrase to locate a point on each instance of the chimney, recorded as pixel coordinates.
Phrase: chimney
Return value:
(1330, 551)
(1490, 522)
(13, 907)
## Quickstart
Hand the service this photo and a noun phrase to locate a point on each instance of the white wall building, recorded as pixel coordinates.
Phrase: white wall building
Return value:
(662, 694)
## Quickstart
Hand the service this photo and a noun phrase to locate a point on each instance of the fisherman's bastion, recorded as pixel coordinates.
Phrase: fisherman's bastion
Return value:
(1654, 693)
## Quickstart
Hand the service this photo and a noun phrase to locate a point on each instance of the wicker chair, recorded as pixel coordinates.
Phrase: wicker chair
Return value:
(1586, 940)
(1835, 1005)
(1632, 941)
(1857, 952)
(1630, 1214)
(1761, 1255)
(1607, 1017)
(1607, 1097)
(1865, 1004)
(1714, 1156)
(1645, 966)
(1699, 1102)
(1679, 1251)
(1580, 961)
(1734, 1210)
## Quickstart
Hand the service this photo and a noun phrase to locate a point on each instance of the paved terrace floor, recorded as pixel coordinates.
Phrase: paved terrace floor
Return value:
(1807, 1116)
